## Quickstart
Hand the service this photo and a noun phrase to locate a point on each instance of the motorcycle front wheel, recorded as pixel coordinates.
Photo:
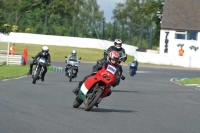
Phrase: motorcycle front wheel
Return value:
(132, 71)
(35, 76)
(71, 74)
(92, 100)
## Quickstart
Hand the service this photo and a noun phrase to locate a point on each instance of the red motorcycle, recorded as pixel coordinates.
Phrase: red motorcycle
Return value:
(96, 87)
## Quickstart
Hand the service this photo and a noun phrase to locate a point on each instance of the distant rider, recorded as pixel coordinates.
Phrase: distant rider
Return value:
(43, 54)
(112, 60)
(72, 57)
(136, 63)
(118, 48)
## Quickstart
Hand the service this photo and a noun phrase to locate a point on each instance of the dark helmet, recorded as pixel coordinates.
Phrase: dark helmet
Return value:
(118, 41)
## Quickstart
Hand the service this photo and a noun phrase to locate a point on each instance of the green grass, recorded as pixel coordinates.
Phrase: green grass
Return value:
(59, 52)
(12, 71)
(189, 81)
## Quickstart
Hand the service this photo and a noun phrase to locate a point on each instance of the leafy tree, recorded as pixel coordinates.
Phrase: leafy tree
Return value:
(136, 17)
(4, 27)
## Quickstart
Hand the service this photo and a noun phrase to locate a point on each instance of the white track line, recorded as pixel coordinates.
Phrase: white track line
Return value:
(196, 85)
(173, 80)
(14, 78)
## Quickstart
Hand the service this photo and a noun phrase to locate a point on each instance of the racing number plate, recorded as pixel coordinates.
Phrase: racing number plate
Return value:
(75, 63)
(111, 69)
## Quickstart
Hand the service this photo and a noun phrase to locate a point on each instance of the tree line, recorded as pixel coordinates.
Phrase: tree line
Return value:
(134, 21)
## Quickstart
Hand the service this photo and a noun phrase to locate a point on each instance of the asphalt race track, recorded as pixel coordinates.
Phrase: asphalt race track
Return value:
(146, 103)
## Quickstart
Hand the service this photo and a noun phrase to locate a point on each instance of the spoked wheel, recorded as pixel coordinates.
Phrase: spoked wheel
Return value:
(77, 102)
(92, 100)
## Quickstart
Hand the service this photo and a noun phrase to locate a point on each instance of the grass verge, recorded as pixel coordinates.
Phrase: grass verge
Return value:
(189, 81)
(59, 52)
(12, 71)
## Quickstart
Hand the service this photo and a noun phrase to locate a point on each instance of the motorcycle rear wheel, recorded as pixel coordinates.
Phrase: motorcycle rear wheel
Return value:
(77, 102)
(91, 102)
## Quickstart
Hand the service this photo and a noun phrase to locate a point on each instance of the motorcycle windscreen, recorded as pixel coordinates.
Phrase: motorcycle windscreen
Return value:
(42, 60)
(132, 65)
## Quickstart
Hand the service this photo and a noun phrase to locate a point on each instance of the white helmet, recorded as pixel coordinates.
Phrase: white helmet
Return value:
(135, 59)
(118, 41)
(45, 49)
(73, 52)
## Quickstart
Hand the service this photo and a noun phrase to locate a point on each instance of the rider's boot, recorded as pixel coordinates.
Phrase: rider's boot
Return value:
(75, 74)
(76, 90)
(42, 77)
(97, 103)
(29, 72)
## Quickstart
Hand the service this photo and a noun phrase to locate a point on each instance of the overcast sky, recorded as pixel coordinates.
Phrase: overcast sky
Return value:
(107, 6)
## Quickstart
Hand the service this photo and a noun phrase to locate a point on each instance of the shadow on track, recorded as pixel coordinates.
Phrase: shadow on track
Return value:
(124, 91)
(112, 110)
(103, 110)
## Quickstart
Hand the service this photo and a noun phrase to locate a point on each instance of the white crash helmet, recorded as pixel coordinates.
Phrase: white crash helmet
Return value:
(135, 59)
(118, 41)
(74, 52)
(45, 49)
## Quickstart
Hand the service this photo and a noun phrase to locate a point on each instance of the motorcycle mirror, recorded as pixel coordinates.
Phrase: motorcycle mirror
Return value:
(80, 58)
(33, 57)
(65, 56)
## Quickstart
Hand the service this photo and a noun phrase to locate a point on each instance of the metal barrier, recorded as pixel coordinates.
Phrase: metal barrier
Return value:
(11, 59)
(56, 69)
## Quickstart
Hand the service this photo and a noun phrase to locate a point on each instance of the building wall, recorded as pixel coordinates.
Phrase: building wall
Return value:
(172, 44)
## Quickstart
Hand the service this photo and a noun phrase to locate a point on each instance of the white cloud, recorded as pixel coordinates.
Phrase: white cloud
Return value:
(108, 6)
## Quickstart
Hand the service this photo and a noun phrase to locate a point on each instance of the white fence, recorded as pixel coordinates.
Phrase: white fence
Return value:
(144, 57)
(10, 59)
(62, 41)
(167, 59)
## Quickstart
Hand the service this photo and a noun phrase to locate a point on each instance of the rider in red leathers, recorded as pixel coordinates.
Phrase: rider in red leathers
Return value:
(112, 60)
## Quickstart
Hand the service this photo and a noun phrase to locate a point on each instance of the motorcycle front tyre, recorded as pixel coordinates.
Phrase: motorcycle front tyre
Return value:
(35, 76)
(132, 71)
(70, 76)
(89, 105)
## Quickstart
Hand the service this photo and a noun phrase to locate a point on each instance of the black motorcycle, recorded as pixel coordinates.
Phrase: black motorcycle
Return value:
(70, 69)
(39, 69)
